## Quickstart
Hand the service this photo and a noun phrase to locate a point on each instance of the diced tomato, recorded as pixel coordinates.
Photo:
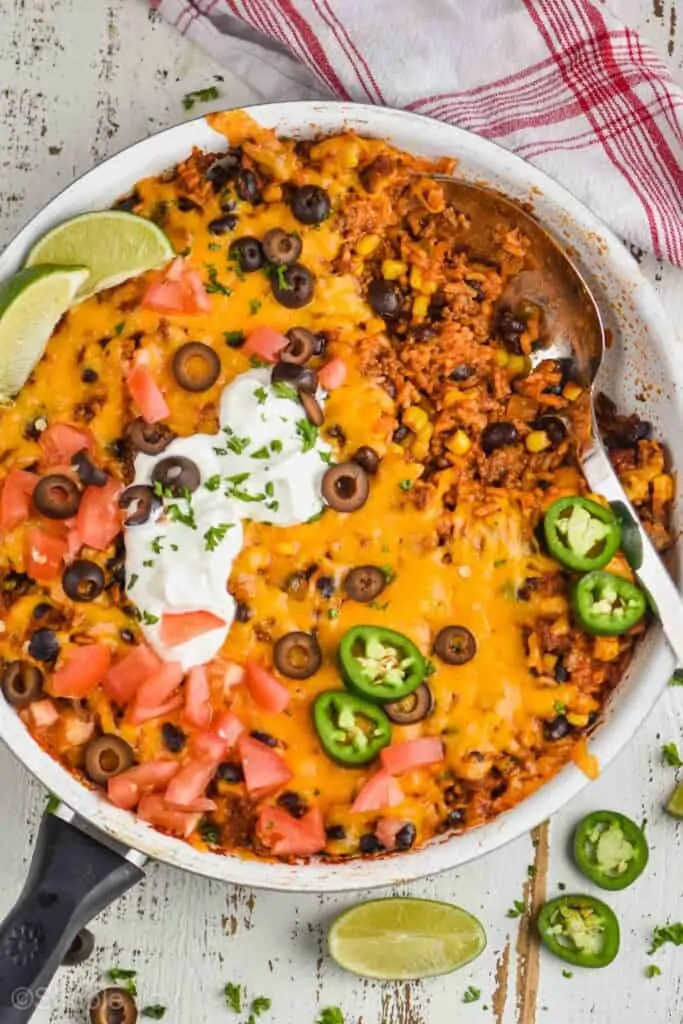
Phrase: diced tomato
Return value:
(138, 715)
(147, 394)
(268, 692)
(264, 342)
(228, 727)
(82, 669)
(15, 501)
(125, 789)
(178, 629)
(387, 829)
(123, 678)
(380, 791)
(225, 674)
(99, 516)
(60, 442)
(189, 783)
(160, 686)
(291, 837)
(178, 290)
(44, 553)
(75, 731)
(212, 745)
(43, 714)
(264, 769)
(153, 809)
(73, 541)
(333, 374)
(197, 698)
(403, 757)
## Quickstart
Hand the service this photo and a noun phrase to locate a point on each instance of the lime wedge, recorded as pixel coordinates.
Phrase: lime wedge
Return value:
(31, 303)
(400, 939)
(115, 246)
(674, 804)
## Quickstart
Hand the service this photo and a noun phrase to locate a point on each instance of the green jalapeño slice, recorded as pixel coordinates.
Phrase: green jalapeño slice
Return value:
(581, 534)
(610, 849)
(351, 730)
(380, 664)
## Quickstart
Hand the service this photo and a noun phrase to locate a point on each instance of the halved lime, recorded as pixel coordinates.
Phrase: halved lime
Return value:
(401, 938)
(674, 804)
(31, 303)
(115, 246)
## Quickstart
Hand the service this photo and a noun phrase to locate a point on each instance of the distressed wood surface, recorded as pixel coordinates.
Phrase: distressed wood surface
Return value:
(80, 79)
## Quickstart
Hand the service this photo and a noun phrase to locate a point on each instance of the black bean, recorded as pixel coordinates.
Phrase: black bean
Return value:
(423, 333)
(186, 205)
(127, 203)
(325, 584)
(31, 431)
(369, 843)
(498, 435)
(264, 737)
(400, 434)
(16, 583)
(174, 739)
(455, 817)
(509, 328)
(385, 297)
(224, 168)
(89, 376)
(41, 610)
(243, 612)
(293, 803)
(461, 372)
(477, 288)
(127, 635)
(406, 836)
(229, 772)
(335, 832)
(561, 673)
(221, 225)
(44, 645)
(557, 729)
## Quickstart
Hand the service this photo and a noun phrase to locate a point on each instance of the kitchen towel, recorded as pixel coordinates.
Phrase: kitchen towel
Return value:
(563, 83)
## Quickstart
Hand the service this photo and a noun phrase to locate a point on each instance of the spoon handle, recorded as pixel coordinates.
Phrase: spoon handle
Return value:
(652, 572)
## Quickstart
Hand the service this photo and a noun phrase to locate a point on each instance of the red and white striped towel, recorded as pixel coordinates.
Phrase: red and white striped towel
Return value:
(561, 82)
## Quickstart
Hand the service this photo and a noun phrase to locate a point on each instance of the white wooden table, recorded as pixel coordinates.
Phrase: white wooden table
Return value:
(79, 80)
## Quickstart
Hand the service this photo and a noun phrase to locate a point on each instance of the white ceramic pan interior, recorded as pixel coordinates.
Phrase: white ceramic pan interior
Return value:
(641, 374)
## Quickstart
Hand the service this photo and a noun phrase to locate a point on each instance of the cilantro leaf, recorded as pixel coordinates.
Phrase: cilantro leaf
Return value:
(206, 95)
(214, 287)
(406, 485)
(651, 971)
(260, 1005)
(308, 434)
(149, 619)
(125, 977)
(235, 339)
(154, 1012)
(283, 390)
(666, 933)
(331, 1015)
(215, 535)
(254, 306)
(213, 483)
(671, 755)
(260, 394)
(472, 994)
(233, 996)
(261, 453)
(516, 910)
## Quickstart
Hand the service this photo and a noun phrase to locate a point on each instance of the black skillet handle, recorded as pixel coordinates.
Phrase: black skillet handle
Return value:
(72, 878)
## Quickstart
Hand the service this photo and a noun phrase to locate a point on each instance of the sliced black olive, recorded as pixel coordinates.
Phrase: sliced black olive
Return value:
(311, 406)
(88, 473)
(113, 1006)
(298, 376)
(80, 949)
(281, 248)
(44, 645)
(21, 683)
(294, 287)
(302, 345)
(229, 772)
(365, 583)
(498, 435)
(222, 170)
(385, 298)
(293, 803)
(345, 487)
(455, 645)
(310, 204)
(106, 757)
(406, 836)
(177, 475)
(367, 458)
(247, 186)
(413, 708)
(248, 253)
(297, 655)
(196, 366)
(57, 497)
(174, 739)
(149, 438)
(557, 729)
(143, 501)
(83, 580)
(221, 225)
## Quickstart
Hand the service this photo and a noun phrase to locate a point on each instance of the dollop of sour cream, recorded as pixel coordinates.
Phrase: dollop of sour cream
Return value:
(266, 463)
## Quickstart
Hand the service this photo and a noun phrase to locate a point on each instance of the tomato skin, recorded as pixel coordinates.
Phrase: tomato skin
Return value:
(44, 553)
(213, 744)
(160, 686)
(333, 374)
(138, 715)
(147, 394)
(197, 698)
(418, 753)
(152, 808)
(264, 769)
(264, 342)
(379, 792)
(125, 789)
(268, 692)
(123, 678)
(99, 517)
(15, 501)
(81, 671)
(287, 836)
(178, 290)
(179, 628)
(61, 441)
(189, 784)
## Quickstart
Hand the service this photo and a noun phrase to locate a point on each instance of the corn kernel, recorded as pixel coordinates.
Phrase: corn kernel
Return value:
(416, 279)
(663, 488)
(428, 287)
(518, 366)
(349, 155)
(393, 269)
(572, 391)
(375, 325)
(420, 307)
(367, 244)
(459, 443)
(549, 662)
(272, 193)
(606, 648)
(577, 720)
(556, 604)
(286, 547)
(502, 357)
(415, 418)
(537, 441)
(420, 449)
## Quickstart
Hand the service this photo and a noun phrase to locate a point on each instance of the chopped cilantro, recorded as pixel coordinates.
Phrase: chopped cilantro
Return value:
(177, 515)
(567, 974)
(236, 266)
(379, 607)
(333, 613)
(120, 327)
(652, 971)
(666, 933)
(269, 488)
(205, 95)
(389, 573)
(52, 802)
(472, 994)
(406, 485)
(260, 394)
(532, 871)
(430, 667)
(214, 287)
(272, 506)
(283, 390)
(132, 580)
(157, 545)
(235, 339)
(276, 446)
(671, 755)
(498, 562)
(260, 1005)
(174, 547)
(148, 563)
(308, 434)
(213, 247)
(561, 886)
(149, 619)
(516, 910)
(326, 457)
(209, 831)
(160, 491)
(559, 708)
(154, 1012)
(236, 444)
(257, 362)
(261, 453)
(233, 996)
(213, 483)
(331, 1015)
(237, 478)
(254, 306)
(316, 517)
(215, 535)
(125, 978)
(278, 272)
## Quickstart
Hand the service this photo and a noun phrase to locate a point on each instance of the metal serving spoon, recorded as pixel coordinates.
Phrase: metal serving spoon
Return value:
(573, 322)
